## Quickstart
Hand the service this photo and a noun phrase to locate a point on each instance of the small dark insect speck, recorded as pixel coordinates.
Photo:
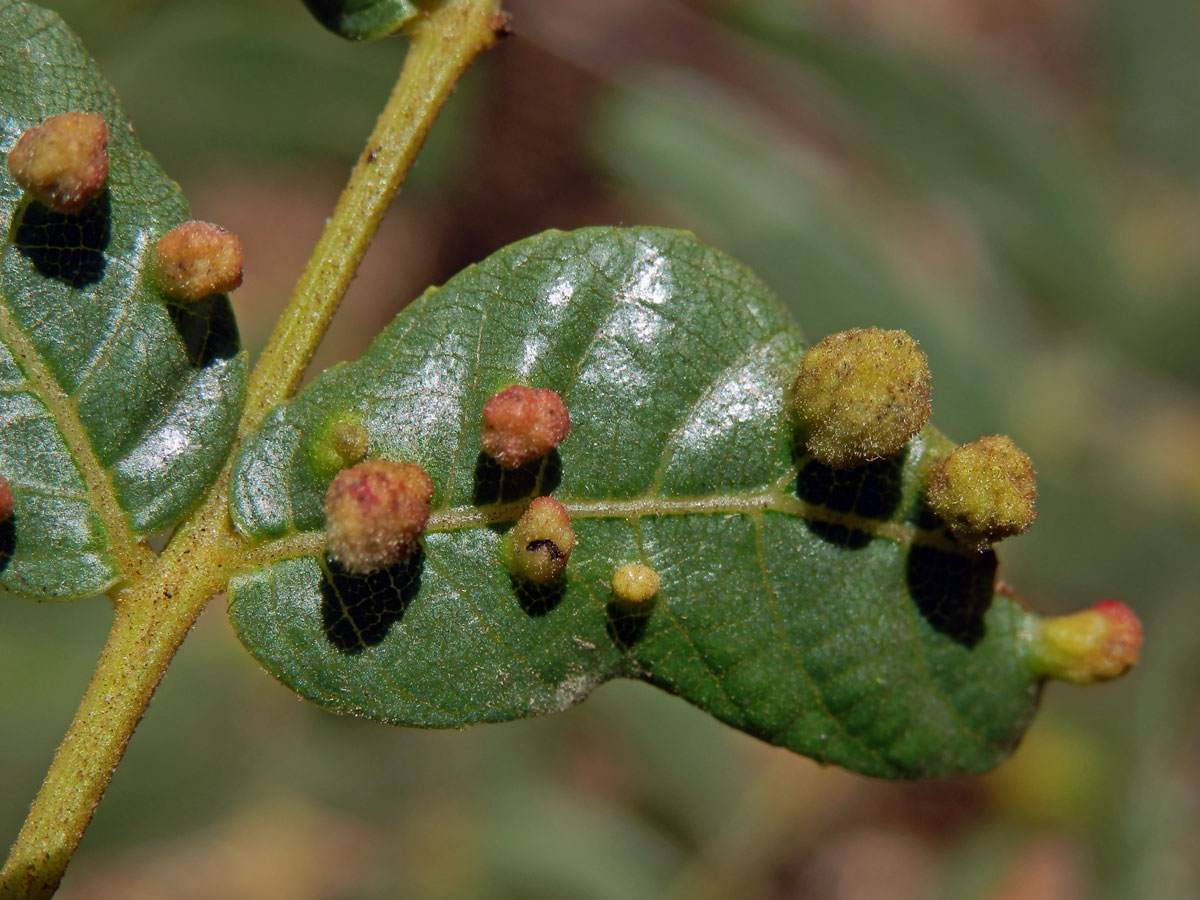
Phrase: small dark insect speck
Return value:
(550, 546)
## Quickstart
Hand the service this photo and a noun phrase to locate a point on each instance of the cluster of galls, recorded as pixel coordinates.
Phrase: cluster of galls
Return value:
(376, 509)
(63, 165)
(862, 394)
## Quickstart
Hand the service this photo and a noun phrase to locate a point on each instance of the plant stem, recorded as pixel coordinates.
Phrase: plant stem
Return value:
(443, 45)
(155, 611)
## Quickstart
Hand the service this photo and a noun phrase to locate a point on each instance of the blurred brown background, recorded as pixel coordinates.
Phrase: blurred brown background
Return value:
(1015, 182)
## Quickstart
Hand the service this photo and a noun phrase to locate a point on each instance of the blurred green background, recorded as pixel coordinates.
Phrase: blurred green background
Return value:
(1015, 182)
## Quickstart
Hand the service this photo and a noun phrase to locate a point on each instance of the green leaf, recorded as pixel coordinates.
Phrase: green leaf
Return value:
(116, 408)
(363, 20)
(814, 609)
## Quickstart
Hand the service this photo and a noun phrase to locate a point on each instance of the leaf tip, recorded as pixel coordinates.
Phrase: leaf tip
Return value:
(540, 544)
(63, 162)
(860, 395)
(1096, 644)
(521, 424)
(195, 260)
(374, 513)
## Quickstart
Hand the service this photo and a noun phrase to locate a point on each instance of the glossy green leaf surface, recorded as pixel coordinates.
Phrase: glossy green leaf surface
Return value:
(116, 407)
(818, 610)
(362, 20)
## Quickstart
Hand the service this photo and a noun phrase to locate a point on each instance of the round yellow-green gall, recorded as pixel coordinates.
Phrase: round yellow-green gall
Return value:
(635, 583)
(63, 163)
(860, 395)
(341, 441)
(539, 545)
(984, 491)
(196, 260)
(375, 512)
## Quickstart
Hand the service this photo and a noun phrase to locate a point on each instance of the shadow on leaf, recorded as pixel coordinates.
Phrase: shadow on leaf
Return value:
(952, 591)
(8, 542)
(358, 610)
(207, 328)
(627, 622)
(539, 599)
(67, 248)
(495, 484)
(869, 492)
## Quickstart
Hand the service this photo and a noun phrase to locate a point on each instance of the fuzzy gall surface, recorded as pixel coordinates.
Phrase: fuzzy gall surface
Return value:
(375, 512)
(984, 491)
(521, 424)
(196, 260)
(63, 163)
(860, 395)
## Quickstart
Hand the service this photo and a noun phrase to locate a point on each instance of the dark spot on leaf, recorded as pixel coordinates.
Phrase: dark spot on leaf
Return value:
(627, 622)
(952, 590)
(545, 544)
(871, 491)
(67, 248)
(8, 541)
(841, 535)
(926, 519)
(208, 329)
(495, 484)
(539, 599)
(358, 610)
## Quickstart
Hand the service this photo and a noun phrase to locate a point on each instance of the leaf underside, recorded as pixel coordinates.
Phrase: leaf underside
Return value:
(819, 610)
(116, 408)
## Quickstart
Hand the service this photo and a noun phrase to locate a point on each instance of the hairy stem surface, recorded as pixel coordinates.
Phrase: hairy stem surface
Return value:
(155, 611)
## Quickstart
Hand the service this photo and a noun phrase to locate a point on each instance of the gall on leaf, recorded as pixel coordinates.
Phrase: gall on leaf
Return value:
(1096, 644)
(340, 441)
(860, 395)
(6, 500)
(375, 512)
(984, 491)
(539, 546)
(521, 424)
(635, 584)
(195, 260)
(63, 163)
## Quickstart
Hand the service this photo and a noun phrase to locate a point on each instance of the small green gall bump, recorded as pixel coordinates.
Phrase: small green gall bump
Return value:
(196, 260)
(1096, 644)
(341, 441)
(860, 395)
(63, 163)
(375, 512)
(984, 491)
(635, 584)
(540, 544)
(521, 424)
(6, 500)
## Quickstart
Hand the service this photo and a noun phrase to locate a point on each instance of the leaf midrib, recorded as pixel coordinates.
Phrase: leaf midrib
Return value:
(774, 499)
(125, 547)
